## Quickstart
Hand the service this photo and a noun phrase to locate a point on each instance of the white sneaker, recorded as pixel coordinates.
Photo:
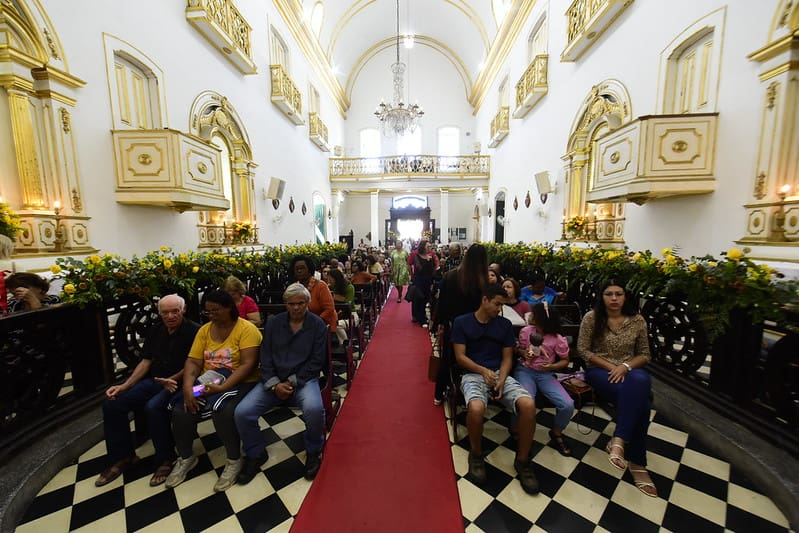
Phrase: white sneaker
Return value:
(228, 475)
(180, 470)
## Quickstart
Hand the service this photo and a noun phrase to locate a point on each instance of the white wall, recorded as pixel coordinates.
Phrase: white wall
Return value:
(630, 52)
(191, 65)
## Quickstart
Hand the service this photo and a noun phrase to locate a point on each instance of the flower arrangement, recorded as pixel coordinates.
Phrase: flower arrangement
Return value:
(9, 221)
(576, 225)
(427, 234)
(242, 231)
(711, 286)
(104, 278)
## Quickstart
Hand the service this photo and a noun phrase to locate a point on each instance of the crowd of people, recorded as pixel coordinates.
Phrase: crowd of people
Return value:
(501, 338)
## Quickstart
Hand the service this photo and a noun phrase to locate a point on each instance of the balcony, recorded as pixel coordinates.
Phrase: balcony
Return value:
(500, 126)
(398, 171)
(587, 19)
(168, 168)
(655, 156)
(317, 132)
(532, 86)
(223, 26)
(285, 94)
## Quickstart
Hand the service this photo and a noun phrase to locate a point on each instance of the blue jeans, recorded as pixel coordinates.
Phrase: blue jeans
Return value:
(258, 401)
(631, 398)
(154, 398)
(546, 382)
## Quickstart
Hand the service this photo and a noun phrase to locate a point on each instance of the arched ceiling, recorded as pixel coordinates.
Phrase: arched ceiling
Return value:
(353, 31)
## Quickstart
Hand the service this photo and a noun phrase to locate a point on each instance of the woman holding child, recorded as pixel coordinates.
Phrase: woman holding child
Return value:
(613, 342)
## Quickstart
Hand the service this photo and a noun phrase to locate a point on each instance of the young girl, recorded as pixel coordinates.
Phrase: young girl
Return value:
(541, 352)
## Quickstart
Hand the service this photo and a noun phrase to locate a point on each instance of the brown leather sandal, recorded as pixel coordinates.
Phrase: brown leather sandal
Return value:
(161, 473)
(559, 443)
(115, 470)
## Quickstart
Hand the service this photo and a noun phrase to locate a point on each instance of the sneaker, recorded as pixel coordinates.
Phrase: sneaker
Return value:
(228, 476)
(425, 326)
(312, 463)
(526, 476)
(250, 467)
(477, 469)
(180, 470)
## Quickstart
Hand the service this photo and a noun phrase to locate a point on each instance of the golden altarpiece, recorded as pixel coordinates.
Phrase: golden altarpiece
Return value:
(41, 96)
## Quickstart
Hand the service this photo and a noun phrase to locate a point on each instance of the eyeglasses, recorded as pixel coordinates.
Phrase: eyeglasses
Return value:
(212, 311)
(611, 294)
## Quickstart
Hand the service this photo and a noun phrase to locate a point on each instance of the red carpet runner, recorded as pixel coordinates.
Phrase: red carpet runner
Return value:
(387, 466)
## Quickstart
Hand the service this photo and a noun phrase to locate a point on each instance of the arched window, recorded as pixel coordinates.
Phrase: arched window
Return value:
(449, 141)
(317, 17)
(370, 143)
(410, 143)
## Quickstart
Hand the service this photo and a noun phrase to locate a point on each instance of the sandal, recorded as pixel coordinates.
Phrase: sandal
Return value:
(559, 443)
(616, 459)
(647, 487)
(161, 473)
(114, 471)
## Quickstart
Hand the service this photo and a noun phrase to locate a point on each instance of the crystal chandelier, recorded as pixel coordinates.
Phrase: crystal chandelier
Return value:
(398, 118)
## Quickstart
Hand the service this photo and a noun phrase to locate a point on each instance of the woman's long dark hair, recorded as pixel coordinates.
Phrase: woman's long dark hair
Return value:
(222, 298)
(547, 320)
(473, 270)
(340, 282)
(421, 247)
(629, 308)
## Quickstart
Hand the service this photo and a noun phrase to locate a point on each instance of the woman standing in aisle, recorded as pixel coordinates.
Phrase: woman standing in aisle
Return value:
(613, 342)
(399, 269)
(424, 266)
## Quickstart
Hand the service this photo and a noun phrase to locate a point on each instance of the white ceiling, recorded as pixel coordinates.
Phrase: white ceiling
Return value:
(354, 31)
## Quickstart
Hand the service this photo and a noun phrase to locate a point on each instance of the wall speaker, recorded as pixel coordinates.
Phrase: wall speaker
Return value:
(274, 189)
(542, 183)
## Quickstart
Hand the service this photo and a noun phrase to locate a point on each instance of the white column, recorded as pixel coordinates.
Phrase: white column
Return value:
(443, 222)
(374, 213)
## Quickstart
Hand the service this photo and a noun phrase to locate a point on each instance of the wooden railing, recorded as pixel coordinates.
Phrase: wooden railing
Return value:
(500, 126)
(226, 29)
(285, 93)
(317, 131)
(430, 165)
(533, 79)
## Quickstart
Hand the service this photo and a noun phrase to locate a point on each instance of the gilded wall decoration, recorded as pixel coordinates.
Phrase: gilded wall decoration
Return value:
(51, 44)
(66, 120)
(760, 186)
(771, 94)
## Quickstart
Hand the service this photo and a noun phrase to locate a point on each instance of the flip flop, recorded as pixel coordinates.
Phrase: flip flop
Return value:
(114, 471)
(161, 473)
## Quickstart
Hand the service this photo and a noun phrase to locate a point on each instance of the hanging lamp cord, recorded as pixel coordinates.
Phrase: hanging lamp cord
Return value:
(398, 59)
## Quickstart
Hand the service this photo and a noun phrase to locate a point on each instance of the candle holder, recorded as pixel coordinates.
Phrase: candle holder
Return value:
(60, 240)
(779, 217)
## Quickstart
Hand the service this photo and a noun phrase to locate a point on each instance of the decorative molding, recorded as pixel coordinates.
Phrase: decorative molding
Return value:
(586, 20)
(285, 94)
(500, 126)
(224, 27)
(532, 86)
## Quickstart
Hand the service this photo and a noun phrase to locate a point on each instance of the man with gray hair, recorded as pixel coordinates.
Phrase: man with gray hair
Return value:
(150, 386)
(293, 354)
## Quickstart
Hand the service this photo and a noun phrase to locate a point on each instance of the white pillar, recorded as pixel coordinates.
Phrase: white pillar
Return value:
(374, 212)
(443, 222)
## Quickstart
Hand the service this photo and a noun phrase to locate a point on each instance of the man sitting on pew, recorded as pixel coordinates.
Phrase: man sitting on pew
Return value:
(483, 343)
(150, 386)
(293, 354)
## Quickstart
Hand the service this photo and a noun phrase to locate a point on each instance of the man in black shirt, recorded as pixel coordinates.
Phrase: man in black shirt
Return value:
(150, 386)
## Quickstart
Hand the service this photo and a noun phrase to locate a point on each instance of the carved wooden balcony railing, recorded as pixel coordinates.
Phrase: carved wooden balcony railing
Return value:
(532, 86)
(406, 165)
(285, 94)
(500, 126)
(586, 20)
(226, 29)
(317, 132)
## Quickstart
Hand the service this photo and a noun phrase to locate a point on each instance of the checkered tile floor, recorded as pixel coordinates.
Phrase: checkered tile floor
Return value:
(698, 491)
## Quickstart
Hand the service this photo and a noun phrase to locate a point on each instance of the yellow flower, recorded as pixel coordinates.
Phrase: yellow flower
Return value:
(666, 252)
(55, 269)
(95, 259)
(735, 254)
(164, 248)
(637, 256)
(712, 264)
(195, 269)
(693, 267)
(69, 288)
(167, 263)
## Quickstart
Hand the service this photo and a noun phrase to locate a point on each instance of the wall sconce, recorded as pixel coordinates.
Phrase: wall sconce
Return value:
(59, 240)
(779, 217)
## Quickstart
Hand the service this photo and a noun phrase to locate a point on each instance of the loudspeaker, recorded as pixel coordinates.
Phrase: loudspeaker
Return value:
(274, 189)
(542, 183)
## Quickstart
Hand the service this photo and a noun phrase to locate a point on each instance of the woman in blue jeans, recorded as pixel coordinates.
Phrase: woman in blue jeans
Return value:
(613, 342)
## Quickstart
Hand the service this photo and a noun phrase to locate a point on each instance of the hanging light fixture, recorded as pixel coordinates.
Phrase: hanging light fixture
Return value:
(398, 118)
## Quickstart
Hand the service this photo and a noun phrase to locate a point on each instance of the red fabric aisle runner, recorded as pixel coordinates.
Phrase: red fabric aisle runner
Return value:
(387, 466)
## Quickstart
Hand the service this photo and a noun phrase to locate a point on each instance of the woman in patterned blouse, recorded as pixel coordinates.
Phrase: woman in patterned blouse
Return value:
(613, 342)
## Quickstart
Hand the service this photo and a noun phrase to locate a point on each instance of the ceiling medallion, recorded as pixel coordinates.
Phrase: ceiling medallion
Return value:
(303, 209)
(397, 117)
(527, 200)
(515, 203)
(291, 204)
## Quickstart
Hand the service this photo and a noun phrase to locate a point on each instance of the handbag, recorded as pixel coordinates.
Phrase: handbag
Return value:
(412, 293)
(434, 363)
(581, 392)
